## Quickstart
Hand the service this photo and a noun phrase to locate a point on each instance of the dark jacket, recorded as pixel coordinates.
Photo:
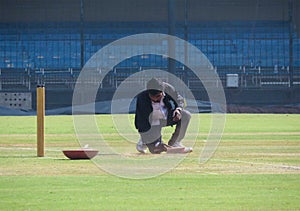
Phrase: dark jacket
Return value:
(172, 100)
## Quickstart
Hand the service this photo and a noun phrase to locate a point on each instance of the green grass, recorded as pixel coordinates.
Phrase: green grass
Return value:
(169, 192)
(256, 167)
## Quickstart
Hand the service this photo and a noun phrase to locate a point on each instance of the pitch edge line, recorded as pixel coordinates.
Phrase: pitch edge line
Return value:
(28, 148)
(267, 164)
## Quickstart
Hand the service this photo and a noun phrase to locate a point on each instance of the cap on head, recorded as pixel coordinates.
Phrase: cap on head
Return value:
(154, 86)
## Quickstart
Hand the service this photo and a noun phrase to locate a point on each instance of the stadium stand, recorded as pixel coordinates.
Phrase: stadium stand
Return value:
(263, 51)
(260, 53)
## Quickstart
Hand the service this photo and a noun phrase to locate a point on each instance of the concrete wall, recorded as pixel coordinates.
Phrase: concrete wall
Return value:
(257, 97)
(16, 100)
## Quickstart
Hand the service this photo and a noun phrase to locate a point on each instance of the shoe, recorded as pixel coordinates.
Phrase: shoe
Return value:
(141, 147)
(185, 150)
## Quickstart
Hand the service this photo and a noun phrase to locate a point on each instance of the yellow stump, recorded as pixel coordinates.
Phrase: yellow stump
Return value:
(40, 112)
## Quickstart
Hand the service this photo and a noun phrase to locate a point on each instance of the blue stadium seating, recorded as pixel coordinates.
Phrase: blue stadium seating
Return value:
(226, 44)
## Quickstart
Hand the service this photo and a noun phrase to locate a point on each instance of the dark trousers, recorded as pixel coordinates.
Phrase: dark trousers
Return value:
(154, 134)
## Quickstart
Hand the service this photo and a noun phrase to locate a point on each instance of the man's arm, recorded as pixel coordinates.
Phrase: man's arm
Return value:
(142, 113)
(138, 113)
(170, 90)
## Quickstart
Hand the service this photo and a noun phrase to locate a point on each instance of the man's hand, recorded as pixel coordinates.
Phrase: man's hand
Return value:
(177, 115)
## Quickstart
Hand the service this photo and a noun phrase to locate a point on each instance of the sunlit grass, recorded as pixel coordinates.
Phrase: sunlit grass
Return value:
(255, 167)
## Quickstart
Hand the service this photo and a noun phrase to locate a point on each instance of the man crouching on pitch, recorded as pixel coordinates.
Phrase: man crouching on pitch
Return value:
(159, 106)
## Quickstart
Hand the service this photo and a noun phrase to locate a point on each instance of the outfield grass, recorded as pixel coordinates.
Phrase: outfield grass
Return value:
(256, 167)
(169, 192)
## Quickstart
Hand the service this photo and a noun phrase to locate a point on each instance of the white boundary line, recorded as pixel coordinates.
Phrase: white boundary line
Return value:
(27, 148)
(255, 163)
(289, 167)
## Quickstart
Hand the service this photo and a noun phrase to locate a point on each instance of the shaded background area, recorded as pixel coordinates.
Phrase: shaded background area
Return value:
(254, 46)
